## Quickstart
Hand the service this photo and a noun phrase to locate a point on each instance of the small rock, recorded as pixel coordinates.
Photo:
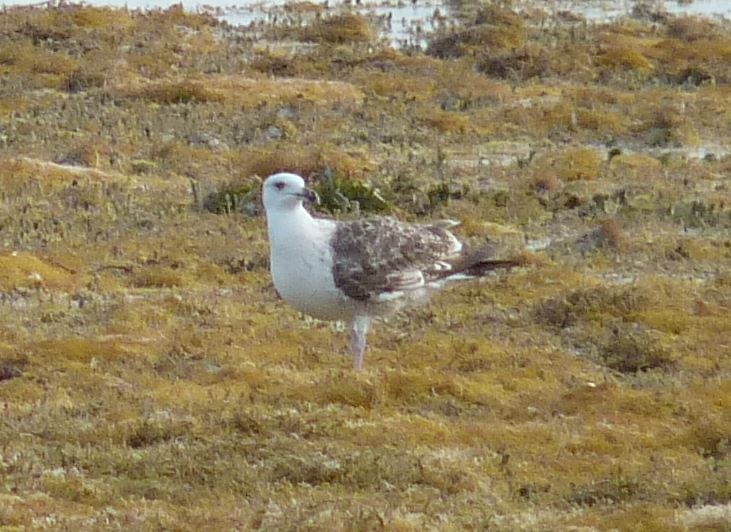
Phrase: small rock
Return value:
(274, 133)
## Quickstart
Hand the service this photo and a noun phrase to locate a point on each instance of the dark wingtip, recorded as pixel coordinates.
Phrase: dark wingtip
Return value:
(484, 267)
(479, 263)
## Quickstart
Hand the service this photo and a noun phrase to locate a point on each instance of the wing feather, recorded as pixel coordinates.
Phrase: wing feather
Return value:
(381, 255)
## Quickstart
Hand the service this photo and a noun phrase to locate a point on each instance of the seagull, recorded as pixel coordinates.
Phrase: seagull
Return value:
(362, 269)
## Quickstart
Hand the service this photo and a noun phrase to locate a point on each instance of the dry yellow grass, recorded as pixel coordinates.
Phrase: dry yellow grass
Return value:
(245, 92)
(151, 379)
(23, 271)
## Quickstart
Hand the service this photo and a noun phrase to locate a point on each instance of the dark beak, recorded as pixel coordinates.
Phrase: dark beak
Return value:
(310, 195)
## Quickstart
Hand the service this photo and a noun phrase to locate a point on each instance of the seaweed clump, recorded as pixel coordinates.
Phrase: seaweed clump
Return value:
(338, 29)
(343, 196)
(492, 29)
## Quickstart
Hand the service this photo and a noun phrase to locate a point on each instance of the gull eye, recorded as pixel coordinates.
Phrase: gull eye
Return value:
(279, 185)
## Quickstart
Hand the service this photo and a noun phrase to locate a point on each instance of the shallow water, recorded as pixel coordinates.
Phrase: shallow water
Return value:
(607, 9)
(409, 20)
(420, 8)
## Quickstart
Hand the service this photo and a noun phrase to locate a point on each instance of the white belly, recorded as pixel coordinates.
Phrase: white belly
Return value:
(309, 287)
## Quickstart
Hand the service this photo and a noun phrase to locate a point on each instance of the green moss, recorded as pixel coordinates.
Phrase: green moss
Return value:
(231, 199)
(340, 195)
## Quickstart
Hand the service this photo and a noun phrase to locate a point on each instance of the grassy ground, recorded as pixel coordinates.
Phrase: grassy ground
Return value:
(150, 378)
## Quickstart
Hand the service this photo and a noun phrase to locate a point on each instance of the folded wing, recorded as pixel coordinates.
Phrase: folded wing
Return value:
(378, 256)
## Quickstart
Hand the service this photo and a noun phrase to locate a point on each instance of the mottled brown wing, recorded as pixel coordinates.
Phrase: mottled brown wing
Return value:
(380, 255)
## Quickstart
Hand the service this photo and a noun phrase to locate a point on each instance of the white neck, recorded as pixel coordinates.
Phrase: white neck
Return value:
(289, 225)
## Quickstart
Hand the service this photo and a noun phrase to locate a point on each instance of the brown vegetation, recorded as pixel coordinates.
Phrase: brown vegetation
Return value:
(151, 379)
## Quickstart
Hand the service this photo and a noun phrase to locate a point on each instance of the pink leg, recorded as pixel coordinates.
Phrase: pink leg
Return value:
(360, 331)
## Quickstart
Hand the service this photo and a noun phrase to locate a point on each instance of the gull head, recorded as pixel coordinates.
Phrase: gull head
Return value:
(286, 191)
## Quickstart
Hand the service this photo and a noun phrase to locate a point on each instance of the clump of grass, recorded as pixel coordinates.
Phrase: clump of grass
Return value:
(406, 87)
(572, 164)
(94, 17)
(73, 21)
(632, 349)
(612, 235)
(688, 53)
(591, 304)
(339, 29)
(696, 213)
(624, 59)
(12, 367)
(614, 490)
(687, 56)
(230, 199)
(86, 154)
(236, 196)
(275, 63)
(23, 270)
(151, 432)
(186, 91)
(472, 39)
(710, 436)
(242, 91)
(176, 15)
(84, 79)
(42, 67)
(609, 235)
(636, 166)
(690, 28)
(97, 69)
(342, 195)
(521, 63)
(79, 349)
(494, 28)
(158, 276)
(706, 493)
(324, 165)
(446, 122)
(442, 193)
(304, 160)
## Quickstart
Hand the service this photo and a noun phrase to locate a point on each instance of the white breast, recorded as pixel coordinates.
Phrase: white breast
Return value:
(301, 266)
